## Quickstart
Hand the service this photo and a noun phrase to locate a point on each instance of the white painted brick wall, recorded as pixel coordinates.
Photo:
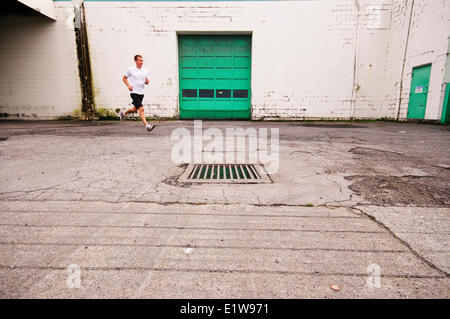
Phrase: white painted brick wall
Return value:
(371, 100)
(302, 52)
(303, 55)
(394, 55)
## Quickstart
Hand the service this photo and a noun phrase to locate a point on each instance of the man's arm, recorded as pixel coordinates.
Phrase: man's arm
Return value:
(125, 80)
(147, 81)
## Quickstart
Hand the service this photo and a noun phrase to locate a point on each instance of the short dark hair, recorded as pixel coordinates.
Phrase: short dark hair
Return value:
(137, 56)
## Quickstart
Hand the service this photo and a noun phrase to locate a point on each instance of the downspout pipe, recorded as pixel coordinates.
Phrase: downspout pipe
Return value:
(404, 61)
(355, 66)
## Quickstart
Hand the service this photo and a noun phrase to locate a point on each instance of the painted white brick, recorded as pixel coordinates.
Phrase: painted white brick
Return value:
(302, 52)
(303, 55)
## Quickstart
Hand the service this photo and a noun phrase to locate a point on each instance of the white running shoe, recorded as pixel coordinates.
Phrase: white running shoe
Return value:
(149, 127)
(122, 116)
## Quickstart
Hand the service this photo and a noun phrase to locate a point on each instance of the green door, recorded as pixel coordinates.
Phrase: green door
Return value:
(446, 108)
(419, 92)
(214, 73)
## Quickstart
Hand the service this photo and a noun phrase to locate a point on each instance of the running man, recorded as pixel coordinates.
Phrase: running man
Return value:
(135, 78)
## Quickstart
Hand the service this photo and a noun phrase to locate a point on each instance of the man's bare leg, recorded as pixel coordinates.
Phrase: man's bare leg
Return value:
(132, 109)
(142, 115)
(148, 127)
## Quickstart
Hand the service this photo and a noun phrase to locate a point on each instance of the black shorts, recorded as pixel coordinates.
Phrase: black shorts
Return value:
(137, 99)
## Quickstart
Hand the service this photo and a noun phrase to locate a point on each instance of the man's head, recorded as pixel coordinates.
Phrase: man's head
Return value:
(139, 60)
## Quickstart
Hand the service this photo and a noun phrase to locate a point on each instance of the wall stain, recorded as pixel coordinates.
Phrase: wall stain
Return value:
(84, 65)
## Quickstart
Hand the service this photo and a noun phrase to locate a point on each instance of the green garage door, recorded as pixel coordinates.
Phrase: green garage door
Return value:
(215, 76)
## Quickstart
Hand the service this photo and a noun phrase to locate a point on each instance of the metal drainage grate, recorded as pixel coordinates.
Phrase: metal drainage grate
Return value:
(225, 173)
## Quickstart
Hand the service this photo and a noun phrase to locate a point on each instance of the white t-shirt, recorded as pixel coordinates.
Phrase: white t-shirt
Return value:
(136, 77)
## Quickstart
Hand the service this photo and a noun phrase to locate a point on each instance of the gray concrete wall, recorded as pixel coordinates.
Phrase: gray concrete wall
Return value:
(38, 66)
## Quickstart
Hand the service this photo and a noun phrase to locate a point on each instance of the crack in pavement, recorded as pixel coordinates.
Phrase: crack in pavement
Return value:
(406, 244)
